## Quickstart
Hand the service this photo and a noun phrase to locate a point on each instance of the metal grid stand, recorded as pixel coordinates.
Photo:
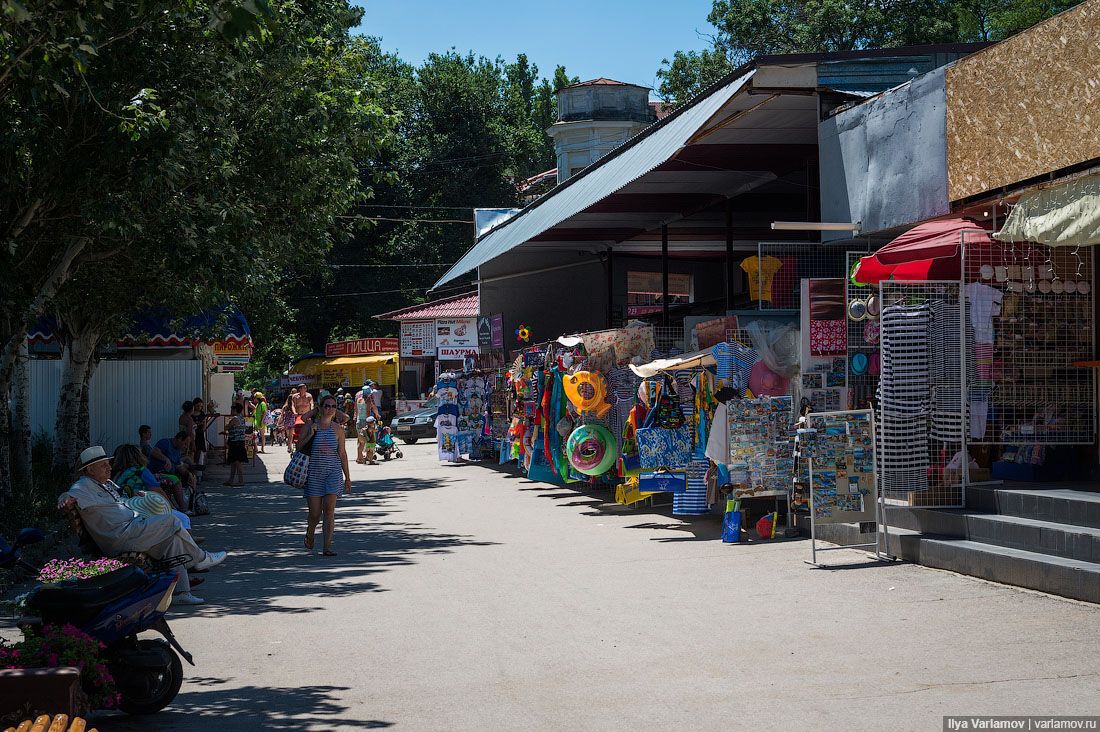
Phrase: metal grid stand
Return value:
(882, 533)
(862, 338)
(1028, 394)
(921, 433)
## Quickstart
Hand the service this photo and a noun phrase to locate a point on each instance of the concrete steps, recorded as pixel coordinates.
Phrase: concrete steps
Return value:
(1023, 535)
(1071, 578)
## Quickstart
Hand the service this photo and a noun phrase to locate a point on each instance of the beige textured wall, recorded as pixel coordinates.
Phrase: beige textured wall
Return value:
(1027, 106)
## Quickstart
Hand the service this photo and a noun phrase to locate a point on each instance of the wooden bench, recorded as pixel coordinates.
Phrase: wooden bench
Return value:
(58, 723)
(71, 513)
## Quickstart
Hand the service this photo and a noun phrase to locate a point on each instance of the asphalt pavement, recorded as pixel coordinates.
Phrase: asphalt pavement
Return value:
(465, 597)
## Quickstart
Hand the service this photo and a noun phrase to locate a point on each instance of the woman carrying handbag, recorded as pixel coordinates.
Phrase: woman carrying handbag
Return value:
(327, 472)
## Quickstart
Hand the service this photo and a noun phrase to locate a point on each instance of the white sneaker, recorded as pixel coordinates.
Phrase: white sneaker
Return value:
(187, 598)
(212, 559)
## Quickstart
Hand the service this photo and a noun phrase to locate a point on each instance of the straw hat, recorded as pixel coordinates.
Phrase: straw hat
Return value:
(92, 455)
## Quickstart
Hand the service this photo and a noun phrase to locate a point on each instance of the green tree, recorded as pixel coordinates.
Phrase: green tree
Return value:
(196, 168)
(744, 29)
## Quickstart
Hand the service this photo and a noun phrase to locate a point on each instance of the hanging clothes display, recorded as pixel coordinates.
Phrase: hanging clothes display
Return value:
(903, 394)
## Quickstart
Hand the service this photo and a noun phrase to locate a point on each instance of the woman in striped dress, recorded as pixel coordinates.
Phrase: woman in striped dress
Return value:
(328, 472)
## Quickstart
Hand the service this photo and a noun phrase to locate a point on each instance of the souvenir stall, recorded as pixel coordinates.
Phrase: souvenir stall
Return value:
(463, 420)
(978, 340)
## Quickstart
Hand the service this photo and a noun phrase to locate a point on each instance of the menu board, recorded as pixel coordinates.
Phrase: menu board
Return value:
(456, 338)
(842, 467)
(418, 338)
(761, 442)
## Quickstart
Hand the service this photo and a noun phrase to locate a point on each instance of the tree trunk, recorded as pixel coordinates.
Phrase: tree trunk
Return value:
(72, 429)
(5, 443)
(21, 418)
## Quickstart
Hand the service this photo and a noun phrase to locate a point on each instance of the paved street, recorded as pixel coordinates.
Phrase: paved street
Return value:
(468, 598)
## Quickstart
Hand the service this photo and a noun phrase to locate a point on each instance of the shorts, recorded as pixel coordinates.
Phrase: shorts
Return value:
(236, 453)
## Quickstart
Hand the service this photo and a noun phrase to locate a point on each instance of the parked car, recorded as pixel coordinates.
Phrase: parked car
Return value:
(418, 424)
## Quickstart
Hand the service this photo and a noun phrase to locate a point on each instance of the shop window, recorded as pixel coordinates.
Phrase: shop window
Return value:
(644, 291)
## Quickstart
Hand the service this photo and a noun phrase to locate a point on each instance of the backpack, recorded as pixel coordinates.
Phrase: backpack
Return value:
(200, 504)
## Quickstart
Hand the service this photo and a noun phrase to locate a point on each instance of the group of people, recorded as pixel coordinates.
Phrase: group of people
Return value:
(134, 501)
(138, 499)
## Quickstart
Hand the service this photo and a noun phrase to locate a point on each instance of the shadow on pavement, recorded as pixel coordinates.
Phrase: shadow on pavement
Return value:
(207, 706)
(269, 569)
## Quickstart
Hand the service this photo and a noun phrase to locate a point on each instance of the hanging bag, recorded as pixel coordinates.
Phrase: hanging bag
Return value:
(665, 440)
(663, 480)
(297, 471)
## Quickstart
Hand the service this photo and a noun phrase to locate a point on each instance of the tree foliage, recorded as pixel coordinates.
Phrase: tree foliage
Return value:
(744, 29)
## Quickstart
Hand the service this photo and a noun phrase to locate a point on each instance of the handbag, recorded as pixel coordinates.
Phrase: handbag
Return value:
(541, 469)
(663, 481)
(665, 439)
(297, 471)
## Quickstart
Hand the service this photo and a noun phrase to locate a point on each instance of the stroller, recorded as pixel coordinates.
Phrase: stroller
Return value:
(387, 447)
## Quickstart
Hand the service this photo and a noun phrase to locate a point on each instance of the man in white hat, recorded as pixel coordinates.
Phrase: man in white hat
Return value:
(116, 528)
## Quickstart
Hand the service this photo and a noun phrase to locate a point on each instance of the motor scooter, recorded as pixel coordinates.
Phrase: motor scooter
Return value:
(113, 608)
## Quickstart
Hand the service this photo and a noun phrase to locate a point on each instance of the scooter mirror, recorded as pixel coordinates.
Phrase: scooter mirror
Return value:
(29, 536)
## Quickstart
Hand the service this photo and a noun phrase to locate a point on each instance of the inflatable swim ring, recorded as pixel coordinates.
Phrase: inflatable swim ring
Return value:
(586, 390)
(592, 449)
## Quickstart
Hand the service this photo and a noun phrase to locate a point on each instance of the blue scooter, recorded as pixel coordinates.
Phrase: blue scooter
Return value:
(113, 608)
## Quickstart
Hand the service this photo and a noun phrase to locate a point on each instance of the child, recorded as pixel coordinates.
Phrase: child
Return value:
(370, 440)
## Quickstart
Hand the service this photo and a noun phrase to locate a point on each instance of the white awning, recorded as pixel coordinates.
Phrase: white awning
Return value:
(1064, 216)
(688, 361)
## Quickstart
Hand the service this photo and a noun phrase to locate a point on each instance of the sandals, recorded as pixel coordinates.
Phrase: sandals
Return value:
(328, 553)
(309, 542)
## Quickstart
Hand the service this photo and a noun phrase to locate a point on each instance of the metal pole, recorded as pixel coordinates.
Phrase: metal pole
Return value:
(813, 524)
(729, 254)
(964, 435)
(664, 275)
(610, 286)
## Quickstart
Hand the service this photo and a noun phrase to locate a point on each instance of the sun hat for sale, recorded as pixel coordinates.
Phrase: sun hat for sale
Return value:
(92, 455)
(857, 309)
(874, 364)
(859, 363)
(765, 382)
(872, 306)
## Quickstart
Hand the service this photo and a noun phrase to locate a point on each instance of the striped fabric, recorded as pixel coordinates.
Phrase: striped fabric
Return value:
(735, 363)
(903, 394)
(622, 384)
(693, 502)
(947, 402)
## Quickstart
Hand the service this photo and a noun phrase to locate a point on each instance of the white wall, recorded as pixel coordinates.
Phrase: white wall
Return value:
(123, 395)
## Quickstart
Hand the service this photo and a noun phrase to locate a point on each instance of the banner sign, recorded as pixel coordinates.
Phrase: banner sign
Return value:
(362, 346)
(455, 354)
(418, 339)
(496, 322)
(484, 333)
(456, 337)
(295, 379)
(239, 349)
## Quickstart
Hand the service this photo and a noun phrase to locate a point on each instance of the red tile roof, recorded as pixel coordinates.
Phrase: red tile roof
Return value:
(602, 81)
(456, 306)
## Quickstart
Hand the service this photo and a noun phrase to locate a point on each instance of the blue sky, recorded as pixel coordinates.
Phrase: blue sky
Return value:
(618, 39)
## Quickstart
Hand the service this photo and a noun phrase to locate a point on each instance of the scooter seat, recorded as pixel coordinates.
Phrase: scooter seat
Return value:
(78, 600)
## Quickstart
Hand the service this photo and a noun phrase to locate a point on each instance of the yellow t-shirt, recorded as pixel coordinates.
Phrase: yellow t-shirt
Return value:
(761, 271)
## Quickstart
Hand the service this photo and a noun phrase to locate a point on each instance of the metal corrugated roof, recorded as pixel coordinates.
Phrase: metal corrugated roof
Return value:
(649, 149)
(465, 305)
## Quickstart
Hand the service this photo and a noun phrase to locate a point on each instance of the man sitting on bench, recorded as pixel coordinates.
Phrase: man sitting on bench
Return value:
(116, 528)
(167, 457)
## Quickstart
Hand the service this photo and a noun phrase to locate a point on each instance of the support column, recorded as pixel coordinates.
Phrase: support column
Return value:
(610, 271)
(729, 254)
(664, 274)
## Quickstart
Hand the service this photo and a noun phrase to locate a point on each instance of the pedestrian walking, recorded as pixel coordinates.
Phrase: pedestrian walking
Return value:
(202, 422)
(328, 463)
(259, 419)
(187, 420)
(365, 408)
(288, 417)
(236, 454)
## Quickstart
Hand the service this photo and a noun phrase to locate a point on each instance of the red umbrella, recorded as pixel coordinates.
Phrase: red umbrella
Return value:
(926, 252)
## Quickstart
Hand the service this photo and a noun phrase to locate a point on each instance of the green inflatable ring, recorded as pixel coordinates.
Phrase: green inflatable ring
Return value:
(591, 449)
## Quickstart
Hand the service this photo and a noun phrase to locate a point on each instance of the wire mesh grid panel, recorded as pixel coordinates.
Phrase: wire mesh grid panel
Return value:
(668, 340)
(776, 271)
(1031, 316)
(863, 338)
(921, 417)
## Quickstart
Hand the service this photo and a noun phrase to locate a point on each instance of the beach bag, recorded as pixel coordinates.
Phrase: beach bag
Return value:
(664, 448)
(665, 440)
(731, 523)
(297, 471)
(663, 481)
(200, 504)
